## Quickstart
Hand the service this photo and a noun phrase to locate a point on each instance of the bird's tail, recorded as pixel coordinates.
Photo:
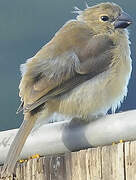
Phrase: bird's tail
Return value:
(17, 146)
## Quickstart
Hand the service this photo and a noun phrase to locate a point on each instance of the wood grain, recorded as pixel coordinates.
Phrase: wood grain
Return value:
(114, 162)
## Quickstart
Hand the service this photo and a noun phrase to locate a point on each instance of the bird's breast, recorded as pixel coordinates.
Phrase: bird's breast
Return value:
(99, 94)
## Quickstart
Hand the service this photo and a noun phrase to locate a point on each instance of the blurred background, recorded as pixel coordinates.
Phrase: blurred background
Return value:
(25, 26)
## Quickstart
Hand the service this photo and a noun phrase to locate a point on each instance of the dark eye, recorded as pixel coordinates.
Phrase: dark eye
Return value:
(104, 18)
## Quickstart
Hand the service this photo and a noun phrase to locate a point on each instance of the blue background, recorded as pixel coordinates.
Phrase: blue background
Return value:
(25, 26)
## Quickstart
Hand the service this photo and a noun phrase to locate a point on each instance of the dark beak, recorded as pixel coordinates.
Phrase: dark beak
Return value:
(123, 21)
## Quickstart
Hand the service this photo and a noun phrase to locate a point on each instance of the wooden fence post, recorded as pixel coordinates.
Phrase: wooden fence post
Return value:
(114, 162)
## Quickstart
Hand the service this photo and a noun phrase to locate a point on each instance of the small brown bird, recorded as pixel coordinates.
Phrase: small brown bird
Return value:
(83, 71)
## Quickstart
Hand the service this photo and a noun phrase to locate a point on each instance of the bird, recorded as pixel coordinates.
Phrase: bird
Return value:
(83, 71)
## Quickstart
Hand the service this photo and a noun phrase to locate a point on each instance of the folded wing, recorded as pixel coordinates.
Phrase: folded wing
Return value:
(72, 57)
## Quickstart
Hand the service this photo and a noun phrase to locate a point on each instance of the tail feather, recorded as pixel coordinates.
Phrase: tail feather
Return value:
(17, 146)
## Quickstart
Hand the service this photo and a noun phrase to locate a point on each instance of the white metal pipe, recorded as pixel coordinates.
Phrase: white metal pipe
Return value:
(64, 136)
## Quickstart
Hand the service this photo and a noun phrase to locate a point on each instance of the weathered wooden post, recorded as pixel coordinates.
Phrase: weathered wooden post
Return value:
(114, 162)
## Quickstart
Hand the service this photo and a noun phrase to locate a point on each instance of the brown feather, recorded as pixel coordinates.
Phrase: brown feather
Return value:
(17, 144)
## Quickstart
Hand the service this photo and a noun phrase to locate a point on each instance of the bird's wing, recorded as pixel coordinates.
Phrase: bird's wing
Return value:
(72, 57)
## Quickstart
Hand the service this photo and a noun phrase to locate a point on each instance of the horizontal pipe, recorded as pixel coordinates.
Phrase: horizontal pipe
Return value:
(66, 136)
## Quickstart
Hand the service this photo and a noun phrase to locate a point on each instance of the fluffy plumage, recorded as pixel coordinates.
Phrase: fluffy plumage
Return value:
(83, 71)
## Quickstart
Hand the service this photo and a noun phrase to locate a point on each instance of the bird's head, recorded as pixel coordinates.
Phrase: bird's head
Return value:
(105, 17)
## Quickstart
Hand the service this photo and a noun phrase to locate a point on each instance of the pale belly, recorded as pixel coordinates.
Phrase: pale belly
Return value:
(98, 95)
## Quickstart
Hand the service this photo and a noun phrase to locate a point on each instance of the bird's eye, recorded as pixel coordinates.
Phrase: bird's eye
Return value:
(104, 18)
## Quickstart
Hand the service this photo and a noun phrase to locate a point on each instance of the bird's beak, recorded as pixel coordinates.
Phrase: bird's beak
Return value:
(123, 21)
